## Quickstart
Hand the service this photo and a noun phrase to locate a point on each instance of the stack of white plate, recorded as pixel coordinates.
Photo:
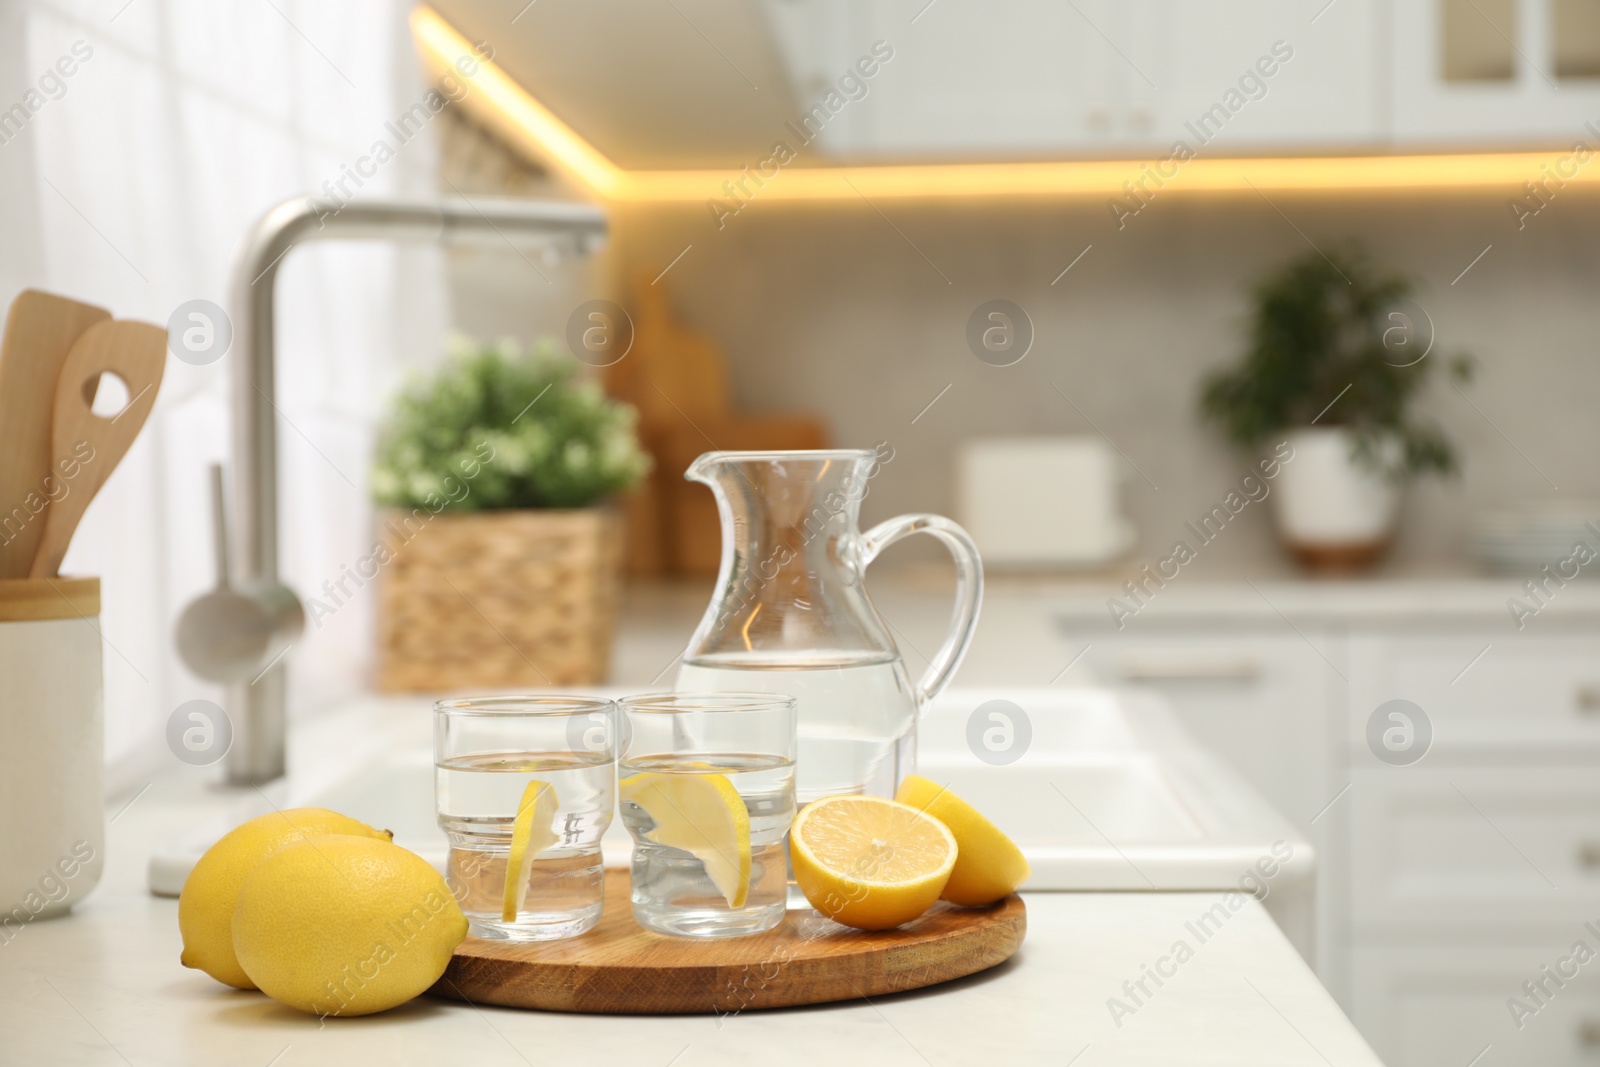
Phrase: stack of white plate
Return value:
(1522, 539)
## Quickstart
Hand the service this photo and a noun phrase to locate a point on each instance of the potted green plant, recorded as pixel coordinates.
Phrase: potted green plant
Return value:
(1338, 353)
(499, 555)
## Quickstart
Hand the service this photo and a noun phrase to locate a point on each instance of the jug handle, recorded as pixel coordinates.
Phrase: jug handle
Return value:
(969, 589)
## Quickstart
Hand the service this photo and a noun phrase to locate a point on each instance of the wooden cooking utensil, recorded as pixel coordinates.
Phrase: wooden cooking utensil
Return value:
(88, 444)
(40, 330)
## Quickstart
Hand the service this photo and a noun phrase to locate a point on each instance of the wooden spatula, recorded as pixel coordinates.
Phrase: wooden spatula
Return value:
(89, 445)
(40, 330)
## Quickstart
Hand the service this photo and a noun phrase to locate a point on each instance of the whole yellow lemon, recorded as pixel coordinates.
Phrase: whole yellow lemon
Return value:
(345, 925)
(211, 892)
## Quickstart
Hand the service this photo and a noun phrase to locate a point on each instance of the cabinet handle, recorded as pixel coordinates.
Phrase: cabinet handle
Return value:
(1587, 699)
(1589, 855)
(1190, 670)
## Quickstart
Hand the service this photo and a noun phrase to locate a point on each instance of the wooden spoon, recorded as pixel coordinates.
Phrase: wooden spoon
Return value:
(40, 330)
(87, 447)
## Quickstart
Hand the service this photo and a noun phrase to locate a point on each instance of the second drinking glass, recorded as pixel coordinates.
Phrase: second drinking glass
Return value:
(525, 788)
(707, 792)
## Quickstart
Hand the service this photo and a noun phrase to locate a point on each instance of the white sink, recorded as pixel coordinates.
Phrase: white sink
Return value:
(1109, 795)
(1112, 794)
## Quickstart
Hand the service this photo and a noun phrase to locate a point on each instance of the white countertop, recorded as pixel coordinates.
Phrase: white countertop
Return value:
(103, 986)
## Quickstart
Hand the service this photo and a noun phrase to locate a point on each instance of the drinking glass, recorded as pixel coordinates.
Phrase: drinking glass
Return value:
(553, 760)
(707, 793)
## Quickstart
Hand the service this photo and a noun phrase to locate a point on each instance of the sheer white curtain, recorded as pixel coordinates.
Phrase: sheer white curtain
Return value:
(129, 186)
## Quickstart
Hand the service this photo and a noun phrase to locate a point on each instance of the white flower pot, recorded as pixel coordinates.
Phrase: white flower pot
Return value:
(1332, 513)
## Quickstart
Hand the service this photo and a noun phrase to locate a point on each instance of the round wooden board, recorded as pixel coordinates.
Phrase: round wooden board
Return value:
(619, 969)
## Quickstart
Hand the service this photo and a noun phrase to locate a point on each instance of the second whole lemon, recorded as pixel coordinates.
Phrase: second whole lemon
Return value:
(211, 892)
(989, 865)
(345, 926)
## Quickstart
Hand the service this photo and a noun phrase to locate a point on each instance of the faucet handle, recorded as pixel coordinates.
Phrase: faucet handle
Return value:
(219, 526)
(234, 635)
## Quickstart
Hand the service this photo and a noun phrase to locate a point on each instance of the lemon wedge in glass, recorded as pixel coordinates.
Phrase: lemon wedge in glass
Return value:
(703, 815)
(532, 832)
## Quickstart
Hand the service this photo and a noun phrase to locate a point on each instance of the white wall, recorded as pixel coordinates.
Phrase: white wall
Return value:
(826, 307)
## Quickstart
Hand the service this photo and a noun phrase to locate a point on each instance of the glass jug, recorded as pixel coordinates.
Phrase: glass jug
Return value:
(790, 614)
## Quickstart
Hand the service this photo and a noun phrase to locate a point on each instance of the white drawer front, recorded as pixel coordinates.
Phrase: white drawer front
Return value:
(1492, 689)
(1442, 1007)
(1444, 847)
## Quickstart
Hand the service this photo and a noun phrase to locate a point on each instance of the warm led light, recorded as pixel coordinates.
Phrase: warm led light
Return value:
(509, 110)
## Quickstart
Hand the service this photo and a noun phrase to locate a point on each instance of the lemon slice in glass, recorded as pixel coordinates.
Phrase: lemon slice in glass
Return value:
(703, 815)
(532, 832)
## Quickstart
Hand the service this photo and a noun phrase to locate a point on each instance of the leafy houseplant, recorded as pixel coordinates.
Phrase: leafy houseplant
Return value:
(1338, 354)
(539, 439)
(499, 555)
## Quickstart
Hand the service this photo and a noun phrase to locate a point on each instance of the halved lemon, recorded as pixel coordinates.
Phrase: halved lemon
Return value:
(870, 863)
(703, 815)
(532, 832)
(989, 865)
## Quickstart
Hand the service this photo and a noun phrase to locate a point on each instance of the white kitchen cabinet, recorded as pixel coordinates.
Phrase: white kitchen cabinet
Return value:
(1442, 1007)
(1443, 884)
(1463, 850)
(1032, 78)
(1324, 89)
(1469, 72)
(1492, 693)
(1003, 80)
(1129, 78)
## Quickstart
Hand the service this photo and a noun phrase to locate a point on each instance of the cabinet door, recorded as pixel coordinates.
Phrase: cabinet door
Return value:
(1477, 73)
(1011, 80)
(1492, 695)
(1441, 1007)
(1212, 62)
(1462, 850)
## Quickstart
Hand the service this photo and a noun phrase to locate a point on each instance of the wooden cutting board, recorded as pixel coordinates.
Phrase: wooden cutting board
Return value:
(619, 969)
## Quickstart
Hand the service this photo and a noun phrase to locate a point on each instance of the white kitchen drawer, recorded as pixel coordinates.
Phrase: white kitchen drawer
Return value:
(1446, 849)
(1531, 693)
(1442, 1007)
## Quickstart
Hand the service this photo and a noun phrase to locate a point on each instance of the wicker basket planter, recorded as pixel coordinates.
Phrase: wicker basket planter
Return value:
(497, 599)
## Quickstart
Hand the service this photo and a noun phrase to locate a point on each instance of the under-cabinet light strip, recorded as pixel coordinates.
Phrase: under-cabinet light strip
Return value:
(496, 100)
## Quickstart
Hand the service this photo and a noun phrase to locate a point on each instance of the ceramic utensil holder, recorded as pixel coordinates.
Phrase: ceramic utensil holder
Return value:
(52, 819)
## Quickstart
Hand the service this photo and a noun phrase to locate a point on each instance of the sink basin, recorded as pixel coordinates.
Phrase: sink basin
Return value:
(1109, 794)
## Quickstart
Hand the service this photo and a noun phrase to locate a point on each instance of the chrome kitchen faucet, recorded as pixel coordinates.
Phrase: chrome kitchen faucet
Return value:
(238, 633)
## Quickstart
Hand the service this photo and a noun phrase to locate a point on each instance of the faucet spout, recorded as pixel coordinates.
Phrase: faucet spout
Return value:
(257, 704)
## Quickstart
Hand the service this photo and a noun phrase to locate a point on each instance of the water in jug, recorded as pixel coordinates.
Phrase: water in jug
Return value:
(791, 615)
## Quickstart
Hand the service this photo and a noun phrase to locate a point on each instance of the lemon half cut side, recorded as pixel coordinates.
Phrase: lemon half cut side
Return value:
(870, 863)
